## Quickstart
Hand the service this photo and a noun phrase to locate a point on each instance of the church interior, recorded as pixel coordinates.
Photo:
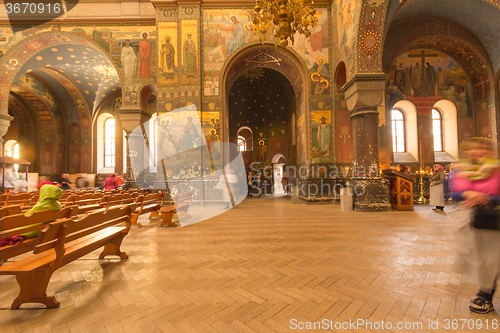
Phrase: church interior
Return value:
(319, 123)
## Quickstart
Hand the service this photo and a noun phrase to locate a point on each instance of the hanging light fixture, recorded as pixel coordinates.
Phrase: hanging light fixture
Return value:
(287, 17)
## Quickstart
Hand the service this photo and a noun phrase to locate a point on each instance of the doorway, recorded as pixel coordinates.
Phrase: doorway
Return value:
(278, 173)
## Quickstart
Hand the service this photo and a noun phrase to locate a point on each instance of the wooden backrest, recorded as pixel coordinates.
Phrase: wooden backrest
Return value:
(183, 197)
(9, 225)
(10, 210)
(154, 197)
(86, 225)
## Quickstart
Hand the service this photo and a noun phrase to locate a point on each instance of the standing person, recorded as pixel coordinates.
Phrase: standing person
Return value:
(110, 182)
(476, 182)
(64, 181)
(119, 179)
(249, 185)
(20, 185)
(284, 180)
(437, 188)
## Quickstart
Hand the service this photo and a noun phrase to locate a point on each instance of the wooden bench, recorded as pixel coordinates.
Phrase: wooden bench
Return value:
(62, 242)
(150, 203)
(9, 227)
(180, 205)
(11, 210)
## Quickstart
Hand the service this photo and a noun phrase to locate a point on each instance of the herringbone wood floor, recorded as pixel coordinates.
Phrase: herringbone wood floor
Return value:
(259, 266)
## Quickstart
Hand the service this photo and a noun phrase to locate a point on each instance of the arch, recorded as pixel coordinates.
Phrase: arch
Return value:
(246, 134)
(450, 130)
(411, 133)
(340, 76)
(278, 158)
(100, 122)
(11, 147)
(18, 55)
(285, 61)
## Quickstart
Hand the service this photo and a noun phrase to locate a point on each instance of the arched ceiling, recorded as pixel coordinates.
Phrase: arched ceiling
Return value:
(479, 17)
(87, 68)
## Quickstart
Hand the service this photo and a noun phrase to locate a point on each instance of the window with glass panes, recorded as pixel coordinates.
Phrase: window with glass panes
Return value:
(398, 131)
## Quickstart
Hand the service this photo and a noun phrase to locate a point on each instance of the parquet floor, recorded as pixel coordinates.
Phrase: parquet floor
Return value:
(259, 267)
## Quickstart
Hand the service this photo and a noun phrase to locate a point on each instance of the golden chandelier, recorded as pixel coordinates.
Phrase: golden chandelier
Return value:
(287, 18)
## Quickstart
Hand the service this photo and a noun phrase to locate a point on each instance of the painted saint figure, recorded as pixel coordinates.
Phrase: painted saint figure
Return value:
(209, 87)
(238, 32)
(129, 62)
(324, 136)
(190, 134)
(190, 59)
(430, 75)
(416, 80)
(144, 57)
(167, 57)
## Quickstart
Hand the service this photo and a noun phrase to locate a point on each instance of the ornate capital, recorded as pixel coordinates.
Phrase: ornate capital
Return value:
(364, 92)
(5, 120)
(131, 117)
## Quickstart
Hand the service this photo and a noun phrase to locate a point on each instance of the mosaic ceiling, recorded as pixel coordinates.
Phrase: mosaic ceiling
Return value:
(88, 69)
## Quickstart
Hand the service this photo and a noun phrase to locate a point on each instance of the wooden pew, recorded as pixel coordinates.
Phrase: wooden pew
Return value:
(183, 201)
(62, 242)
(150, 203)
(8, 224)
(11, 210)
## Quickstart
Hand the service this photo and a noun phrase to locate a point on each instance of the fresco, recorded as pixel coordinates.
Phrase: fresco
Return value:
(440, 77)
(321, 126)
(134, 58)
(347, 25)
(167, 53)
(301, 140)
(314, 52)
(190, 48)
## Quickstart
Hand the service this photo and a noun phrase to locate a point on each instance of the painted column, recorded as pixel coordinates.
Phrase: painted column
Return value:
(364, 93)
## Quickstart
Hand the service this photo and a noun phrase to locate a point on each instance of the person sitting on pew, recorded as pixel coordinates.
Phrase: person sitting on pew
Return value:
(49, 200)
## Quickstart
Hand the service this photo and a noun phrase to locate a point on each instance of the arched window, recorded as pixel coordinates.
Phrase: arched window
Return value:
(109, 142)
(437, 129)
(242, 144)
(11, 149)
(398, 131)
(245, 139)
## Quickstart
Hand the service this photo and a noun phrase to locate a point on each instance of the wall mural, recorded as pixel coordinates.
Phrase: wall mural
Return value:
(167, 53)
(301, 140)
(430, 74)
(347, 25)
(226, 30)
(321, 127)
(129, 47)
(190, 61)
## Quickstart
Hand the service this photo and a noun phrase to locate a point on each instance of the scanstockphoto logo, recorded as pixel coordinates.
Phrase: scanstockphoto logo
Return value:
(185, 153)
(34, 13)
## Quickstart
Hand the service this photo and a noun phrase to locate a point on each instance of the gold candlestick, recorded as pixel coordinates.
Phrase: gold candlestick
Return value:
(422, 199)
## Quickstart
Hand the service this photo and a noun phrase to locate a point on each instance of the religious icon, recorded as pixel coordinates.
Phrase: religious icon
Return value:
(190, 134)
(167, 61)
(144, 56)
(129, 62)
(190, 56)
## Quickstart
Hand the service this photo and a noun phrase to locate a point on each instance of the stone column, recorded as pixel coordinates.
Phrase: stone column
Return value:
(131, 117)
(5, 120)
(364, 93)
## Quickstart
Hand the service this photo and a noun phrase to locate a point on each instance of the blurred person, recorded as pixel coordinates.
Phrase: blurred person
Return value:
(119, 179)
(475, 183)
(64, 181)
(20, 185)
(43, 181)
(110, 182)
(81, 181)
(403, 169)
(249, 185)
(437, 188)
(49, 200)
